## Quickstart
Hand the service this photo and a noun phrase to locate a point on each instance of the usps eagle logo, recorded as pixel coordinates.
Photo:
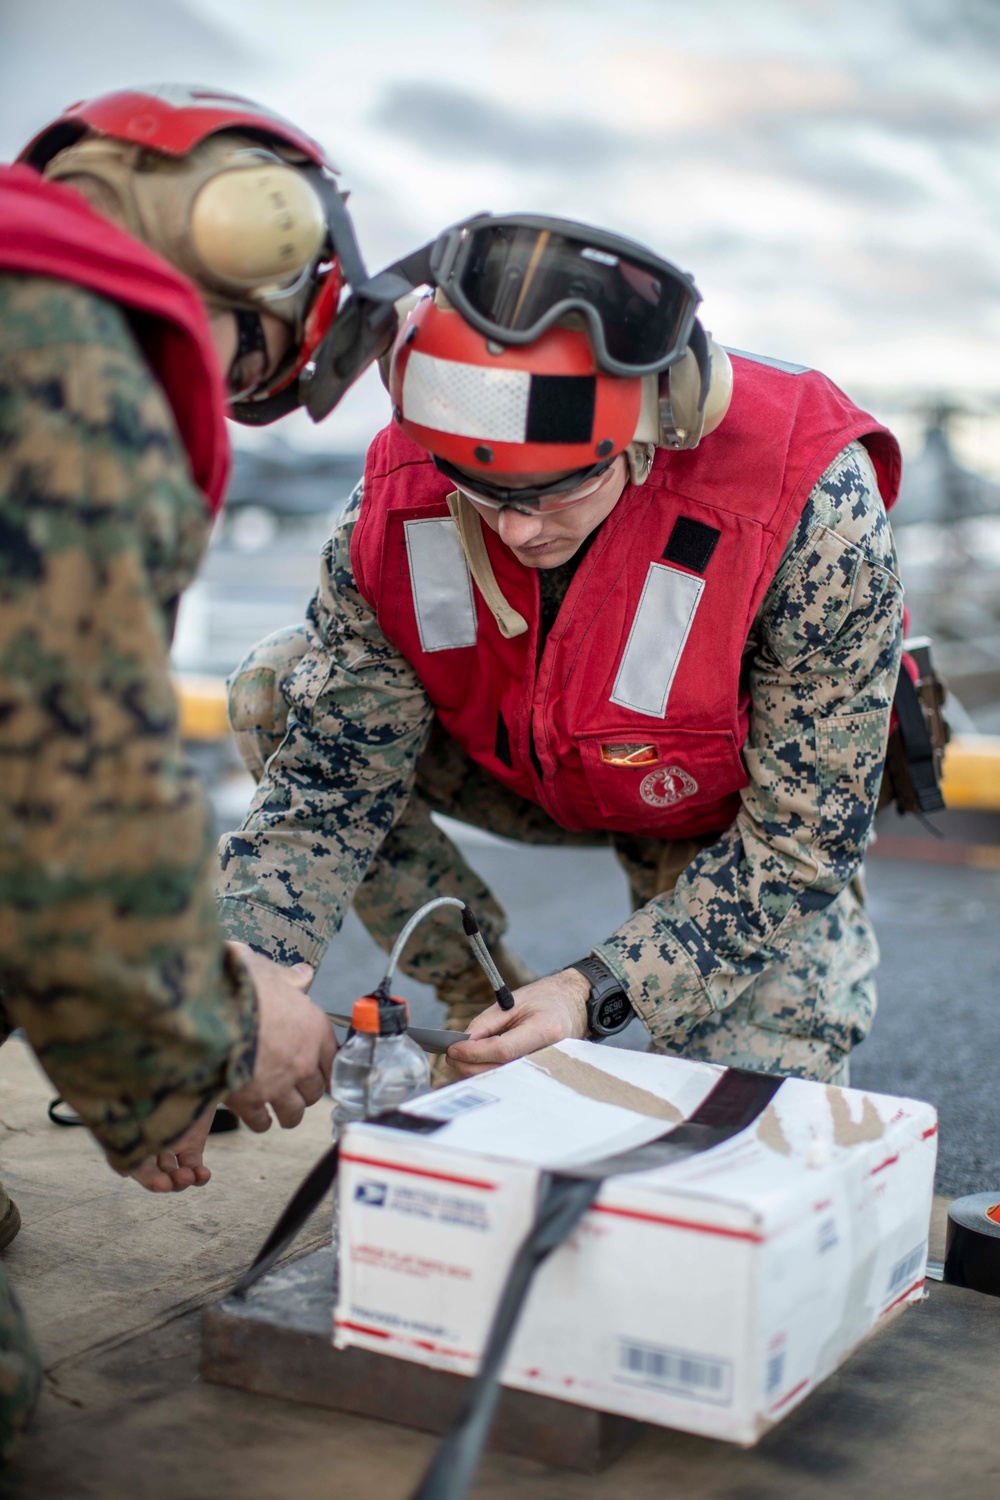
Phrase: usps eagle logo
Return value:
(667, 786)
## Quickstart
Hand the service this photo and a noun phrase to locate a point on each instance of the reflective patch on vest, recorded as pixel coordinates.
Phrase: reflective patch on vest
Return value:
(657, 639)
(441, 583)
(667, 787)
(764, 359)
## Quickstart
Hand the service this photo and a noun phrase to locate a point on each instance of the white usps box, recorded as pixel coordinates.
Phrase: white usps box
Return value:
(711, 1294)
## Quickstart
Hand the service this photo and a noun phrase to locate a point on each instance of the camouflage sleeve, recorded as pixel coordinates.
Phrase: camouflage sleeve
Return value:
(358, 720)
(110, 953)
(824, 655)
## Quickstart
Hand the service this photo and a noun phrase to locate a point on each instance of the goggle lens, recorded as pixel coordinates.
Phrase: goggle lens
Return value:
(513, 276)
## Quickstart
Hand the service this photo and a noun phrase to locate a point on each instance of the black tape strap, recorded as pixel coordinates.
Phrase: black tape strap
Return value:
(737, 1100)
(918, 747)
(310, 1194)
(563, 1201)
(307, 1196)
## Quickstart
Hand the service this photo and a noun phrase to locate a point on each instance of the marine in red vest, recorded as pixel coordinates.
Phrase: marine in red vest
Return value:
(168, 257)
(605, 583)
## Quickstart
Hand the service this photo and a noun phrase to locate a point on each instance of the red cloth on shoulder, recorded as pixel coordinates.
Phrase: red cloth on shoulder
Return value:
(47, 230)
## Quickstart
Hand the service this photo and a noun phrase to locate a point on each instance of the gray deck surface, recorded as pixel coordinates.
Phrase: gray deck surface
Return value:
(937, 1033)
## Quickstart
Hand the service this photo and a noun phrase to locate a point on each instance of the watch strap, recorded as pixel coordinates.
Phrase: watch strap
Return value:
(604, 986)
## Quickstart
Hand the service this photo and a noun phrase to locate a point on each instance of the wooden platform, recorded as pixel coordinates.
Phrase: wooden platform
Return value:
(276, 1342)
(927, 1380)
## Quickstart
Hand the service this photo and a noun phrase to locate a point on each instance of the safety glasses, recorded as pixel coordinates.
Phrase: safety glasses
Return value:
(568, 490)
(512, 277)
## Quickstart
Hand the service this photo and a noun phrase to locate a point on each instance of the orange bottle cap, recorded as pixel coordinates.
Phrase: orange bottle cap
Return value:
(364, 1015)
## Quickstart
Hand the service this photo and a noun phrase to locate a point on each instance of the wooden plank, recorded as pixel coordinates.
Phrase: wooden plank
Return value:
(277, 1342)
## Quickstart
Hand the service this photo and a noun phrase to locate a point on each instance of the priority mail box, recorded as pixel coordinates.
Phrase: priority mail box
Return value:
(710, 1294)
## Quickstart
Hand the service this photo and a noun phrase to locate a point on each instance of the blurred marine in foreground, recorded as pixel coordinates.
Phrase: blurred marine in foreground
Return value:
(167, 258)
(603, 582)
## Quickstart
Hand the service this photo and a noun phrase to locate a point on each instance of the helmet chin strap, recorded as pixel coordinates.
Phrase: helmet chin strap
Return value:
(250, 339)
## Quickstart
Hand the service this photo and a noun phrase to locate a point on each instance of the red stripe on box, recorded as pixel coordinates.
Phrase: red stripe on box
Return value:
(380, 1333)
(375, 1333)
(633, 1213)
(793, 1392)
(883, 1164)
(908, 1293)
(440, 1349)
(928, 1133)
(391, 1166)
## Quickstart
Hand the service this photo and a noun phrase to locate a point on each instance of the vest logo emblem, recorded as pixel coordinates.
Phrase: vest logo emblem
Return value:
(667, 786)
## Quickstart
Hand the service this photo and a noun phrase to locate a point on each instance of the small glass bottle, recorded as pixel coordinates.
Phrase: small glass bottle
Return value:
(378, 1068)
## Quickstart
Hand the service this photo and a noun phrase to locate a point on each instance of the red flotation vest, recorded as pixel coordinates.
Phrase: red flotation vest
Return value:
(635, 714)
(48, 230)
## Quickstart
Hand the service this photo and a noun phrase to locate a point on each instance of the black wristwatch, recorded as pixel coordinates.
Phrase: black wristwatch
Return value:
(608, 1008)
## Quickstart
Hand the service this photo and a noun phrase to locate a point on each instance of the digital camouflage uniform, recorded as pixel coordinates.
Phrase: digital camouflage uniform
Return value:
(110, 955)
(750, 947)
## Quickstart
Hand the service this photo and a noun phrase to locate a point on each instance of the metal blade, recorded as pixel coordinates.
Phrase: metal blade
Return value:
(436, 1041)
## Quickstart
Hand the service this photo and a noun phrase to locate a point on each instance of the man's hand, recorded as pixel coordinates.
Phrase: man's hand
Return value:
(545, 1011)
(179, 1166)
(295, 1045)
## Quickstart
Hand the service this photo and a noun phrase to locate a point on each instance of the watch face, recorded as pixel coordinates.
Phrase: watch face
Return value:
(613, 1012)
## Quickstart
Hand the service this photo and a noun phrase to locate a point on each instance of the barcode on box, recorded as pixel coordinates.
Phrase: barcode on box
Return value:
(446, 1108)
(904, 1270)
(696, 1375)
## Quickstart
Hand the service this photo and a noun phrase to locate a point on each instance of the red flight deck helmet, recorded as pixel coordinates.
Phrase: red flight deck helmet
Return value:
(482, 408)
(235, 197)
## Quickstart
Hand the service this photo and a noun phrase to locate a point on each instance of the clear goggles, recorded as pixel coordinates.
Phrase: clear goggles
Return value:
(570, 489)
(514, 276)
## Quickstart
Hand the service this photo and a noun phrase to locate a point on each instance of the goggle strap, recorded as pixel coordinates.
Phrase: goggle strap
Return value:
(344, 242)
(363, 328)
(414, 268)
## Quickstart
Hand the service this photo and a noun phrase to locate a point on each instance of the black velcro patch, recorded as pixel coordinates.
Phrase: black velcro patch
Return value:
(561, 409)
(691, 544)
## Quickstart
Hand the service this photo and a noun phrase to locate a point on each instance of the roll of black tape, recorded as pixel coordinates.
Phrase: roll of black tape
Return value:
(972, 1253)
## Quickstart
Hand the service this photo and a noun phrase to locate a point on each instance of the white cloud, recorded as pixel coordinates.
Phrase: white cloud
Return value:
(831, 174)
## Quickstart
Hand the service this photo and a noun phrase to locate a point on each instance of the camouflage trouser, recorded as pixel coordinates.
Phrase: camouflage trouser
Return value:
(20, 1368)
(800, 1016)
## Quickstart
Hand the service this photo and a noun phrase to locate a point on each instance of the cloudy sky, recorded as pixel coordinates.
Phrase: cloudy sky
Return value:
(829, 170)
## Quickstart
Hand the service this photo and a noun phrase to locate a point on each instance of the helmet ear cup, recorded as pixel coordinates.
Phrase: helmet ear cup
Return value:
(257, 226)
(690, 406)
